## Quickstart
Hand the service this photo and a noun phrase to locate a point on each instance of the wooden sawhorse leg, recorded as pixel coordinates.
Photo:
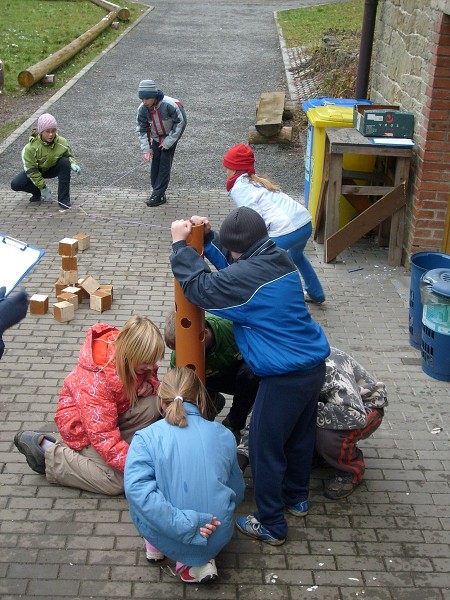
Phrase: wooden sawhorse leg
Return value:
(388, 206)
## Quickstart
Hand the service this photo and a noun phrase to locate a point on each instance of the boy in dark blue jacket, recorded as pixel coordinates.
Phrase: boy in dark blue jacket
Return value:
(258, 288)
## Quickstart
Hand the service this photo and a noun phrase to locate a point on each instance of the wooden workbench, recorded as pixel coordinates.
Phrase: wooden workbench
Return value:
(387, 212)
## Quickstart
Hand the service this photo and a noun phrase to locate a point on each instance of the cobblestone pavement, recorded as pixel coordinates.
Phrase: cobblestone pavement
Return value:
(389, 540)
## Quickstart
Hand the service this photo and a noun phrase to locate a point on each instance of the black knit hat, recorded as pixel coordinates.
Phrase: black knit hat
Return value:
(241, 229)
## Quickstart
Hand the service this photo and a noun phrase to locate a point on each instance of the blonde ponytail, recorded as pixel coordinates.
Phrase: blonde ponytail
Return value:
(175, 412)
(178, 386)
(265, 182)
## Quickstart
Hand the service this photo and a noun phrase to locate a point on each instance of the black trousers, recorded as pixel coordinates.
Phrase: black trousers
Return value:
(21, 182)
(243, 385)
(160, 168)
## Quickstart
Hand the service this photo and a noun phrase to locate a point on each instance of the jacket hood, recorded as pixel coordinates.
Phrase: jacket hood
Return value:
(37, 137)
(85, 358)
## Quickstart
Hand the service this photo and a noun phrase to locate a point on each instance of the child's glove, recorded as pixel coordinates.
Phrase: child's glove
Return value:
(75, 168)
(13, 309)
(46, 194)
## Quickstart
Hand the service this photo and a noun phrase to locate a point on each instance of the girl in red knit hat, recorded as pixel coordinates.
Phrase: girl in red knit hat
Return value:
(288, 222)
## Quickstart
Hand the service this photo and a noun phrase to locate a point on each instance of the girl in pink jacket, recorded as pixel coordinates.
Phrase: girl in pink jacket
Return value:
(109, 395)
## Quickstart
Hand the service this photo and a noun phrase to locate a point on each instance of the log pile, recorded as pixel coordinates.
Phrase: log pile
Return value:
(271, 110)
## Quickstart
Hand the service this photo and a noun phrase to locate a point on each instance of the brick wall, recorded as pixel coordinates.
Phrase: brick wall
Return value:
(412, 69)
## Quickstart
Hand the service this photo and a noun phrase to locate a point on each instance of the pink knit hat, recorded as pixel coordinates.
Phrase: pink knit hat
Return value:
(46, 121)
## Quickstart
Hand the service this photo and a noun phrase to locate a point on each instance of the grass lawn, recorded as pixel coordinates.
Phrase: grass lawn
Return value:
(32, 30)
(342, 21)
(306, 26)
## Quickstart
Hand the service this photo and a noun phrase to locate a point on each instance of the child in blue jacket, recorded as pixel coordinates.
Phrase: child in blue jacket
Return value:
(258, 288)
(182, 480)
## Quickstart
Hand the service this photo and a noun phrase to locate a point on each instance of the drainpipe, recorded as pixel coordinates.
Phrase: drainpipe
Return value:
(365, 49)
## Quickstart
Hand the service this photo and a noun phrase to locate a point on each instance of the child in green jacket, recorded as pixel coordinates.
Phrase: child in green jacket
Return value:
(47, 155)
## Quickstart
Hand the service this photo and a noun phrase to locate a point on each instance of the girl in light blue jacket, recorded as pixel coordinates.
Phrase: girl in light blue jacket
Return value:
(183, 482)
(288, 222)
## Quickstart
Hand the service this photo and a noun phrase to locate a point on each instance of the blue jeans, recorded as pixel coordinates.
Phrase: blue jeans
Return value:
(281, 443)
(295, 243)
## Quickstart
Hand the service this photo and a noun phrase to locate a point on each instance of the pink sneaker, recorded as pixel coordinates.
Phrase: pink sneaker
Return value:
(201, 574)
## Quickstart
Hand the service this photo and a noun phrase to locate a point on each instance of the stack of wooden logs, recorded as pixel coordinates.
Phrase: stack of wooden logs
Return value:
(271, 110)
(70, 290)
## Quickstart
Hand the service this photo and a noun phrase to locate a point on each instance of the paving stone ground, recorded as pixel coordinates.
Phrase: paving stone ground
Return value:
(390, 540)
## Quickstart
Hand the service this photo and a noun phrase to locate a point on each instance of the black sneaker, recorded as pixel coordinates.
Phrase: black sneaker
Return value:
(64, 205)
(35, 198)
(341, 487)
(156, 200)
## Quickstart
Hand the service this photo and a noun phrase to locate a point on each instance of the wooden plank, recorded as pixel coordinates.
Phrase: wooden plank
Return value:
(333, 202)
(396, 238)
(269, 114)
(397, 229)
(319, 221)
(384, 233)
(290, 108)
(372, 177)
(366, 190)
(359, 203)
(347, 140)
(319, 231)
(284, 136)
(385, 207)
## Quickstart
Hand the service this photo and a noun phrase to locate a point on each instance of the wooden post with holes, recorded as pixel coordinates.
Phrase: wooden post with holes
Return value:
(190, 321)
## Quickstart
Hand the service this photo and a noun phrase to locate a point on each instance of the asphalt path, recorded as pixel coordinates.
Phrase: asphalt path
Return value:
(216, 57)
